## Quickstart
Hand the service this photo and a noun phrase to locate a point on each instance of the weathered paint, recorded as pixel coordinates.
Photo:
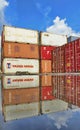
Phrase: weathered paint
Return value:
(53, 39)
(13, 112)
(20, 35)
(53, 106)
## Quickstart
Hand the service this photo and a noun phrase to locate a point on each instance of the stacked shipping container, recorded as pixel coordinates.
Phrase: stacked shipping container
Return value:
(66, 65)
(20, 54)
(46, 49)
(49, 65)
(23, 52)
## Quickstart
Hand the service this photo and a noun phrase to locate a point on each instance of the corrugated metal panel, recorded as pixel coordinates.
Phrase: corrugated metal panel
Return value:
(53, 106)
(46, 66)
(61, 87)
(20, 35)
(12, 65)
(78, 91)
(60, 59)
(53, 39)
(55, 86)
(69, 57)
(54, 61)
(26, 81)
(21, 111)
(77, 55)
(46, 80)
(17, 50)
(18, 96)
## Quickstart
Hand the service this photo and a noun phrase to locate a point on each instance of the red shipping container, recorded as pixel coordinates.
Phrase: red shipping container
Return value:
(54, 64)
(61, 88)
(60, 59)
(46, 52)
(47, 93)
(77, 55)
(55, 86)
(69, 57)
(70, 89)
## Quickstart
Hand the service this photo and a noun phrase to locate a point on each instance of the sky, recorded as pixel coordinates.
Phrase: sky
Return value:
(57, 16)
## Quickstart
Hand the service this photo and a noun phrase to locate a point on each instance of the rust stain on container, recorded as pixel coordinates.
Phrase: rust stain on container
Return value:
(46, 66)
(18, 96)
(46, 80)
(17, 50)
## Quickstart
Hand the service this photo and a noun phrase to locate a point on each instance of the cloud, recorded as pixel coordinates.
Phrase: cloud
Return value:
(60, 26)
(3, 4)
(62, 118)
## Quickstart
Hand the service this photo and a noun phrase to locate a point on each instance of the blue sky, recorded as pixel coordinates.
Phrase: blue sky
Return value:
(42, 14)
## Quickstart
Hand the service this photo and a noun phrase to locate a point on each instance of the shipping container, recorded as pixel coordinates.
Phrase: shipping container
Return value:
(17, 50)
(46, 52)
(72, 38)
(70, 89)
(16, 81)
(46, 66)
(46, 80)
(54, 106)
(52, 39)
(13, 65)
(13, 112)
(77, 55)
(55, 86)
(20, 35)
(69, 57)
(18, 96)
(47, 93)
(60, 59)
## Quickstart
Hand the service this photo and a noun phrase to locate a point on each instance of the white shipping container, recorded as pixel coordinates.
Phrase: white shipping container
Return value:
(53, 39)
(13, 65)
(54, 106)
(26, 81)
(20, 35)
(13, 112)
